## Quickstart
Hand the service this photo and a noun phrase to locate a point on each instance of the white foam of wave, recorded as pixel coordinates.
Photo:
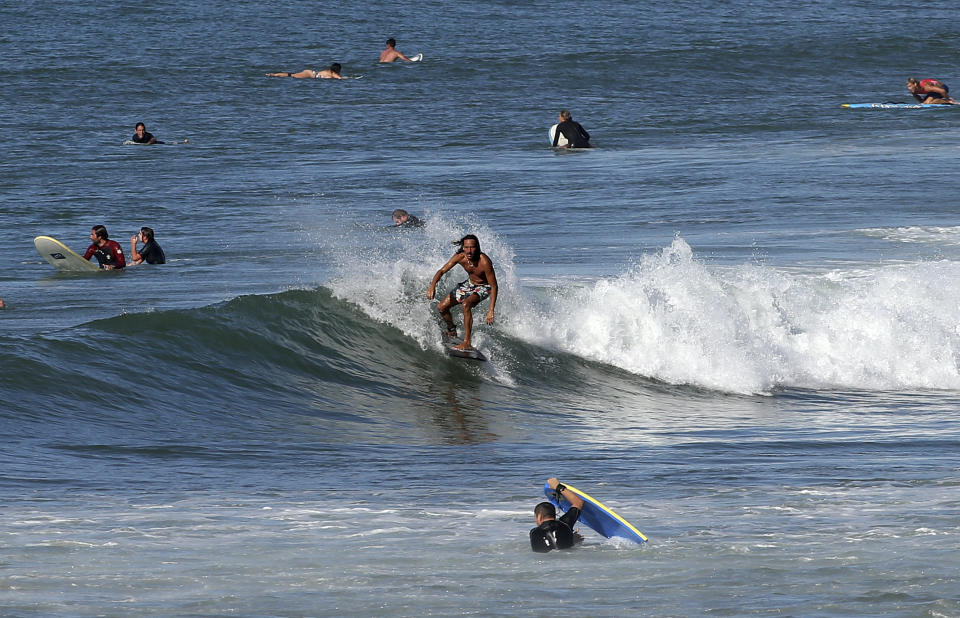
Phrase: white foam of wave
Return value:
(943, 235)
(754, 328)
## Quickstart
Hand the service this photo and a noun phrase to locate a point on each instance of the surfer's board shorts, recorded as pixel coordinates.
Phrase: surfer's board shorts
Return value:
(466, 288)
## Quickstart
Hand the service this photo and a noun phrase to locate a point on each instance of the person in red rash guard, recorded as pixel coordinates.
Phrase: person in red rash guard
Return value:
(108, 252)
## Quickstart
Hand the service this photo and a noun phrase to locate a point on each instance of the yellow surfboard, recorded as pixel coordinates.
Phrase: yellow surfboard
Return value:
(598, 516)
(61, 257)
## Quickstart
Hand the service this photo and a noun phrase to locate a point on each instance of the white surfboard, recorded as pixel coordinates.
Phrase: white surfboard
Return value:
(61, 257)
(562, 141)
(416, 58)
(130, 142)
(449, 344)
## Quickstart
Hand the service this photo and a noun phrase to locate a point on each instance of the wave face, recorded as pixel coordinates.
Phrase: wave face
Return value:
(364, 351)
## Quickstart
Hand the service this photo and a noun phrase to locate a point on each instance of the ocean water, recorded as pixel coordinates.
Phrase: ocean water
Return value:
(736, 320)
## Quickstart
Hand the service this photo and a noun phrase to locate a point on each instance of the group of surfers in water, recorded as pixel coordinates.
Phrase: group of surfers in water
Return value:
(109, 253)
(389, 54)
(481, 281)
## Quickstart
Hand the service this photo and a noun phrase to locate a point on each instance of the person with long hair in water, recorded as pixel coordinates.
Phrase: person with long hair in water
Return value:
(481, 283)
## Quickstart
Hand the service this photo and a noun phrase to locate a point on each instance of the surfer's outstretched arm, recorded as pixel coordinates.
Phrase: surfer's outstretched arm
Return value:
(565, 493)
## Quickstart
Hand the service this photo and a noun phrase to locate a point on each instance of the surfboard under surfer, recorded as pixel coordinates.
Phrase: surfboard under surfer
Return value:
(552, 533)
(480, 284)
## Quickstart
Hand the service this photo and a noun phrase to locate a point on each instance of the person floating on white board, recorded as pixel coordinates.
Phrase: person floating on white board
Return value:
(930, 91)
(151, 253)
(108, 252)
(480, 284)
(390, 53)
(577, 136)
(552, 533)
(332, 73)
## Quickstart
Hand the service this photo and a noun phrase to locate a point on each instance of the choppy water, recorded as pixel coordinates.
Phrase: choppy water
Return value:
(735, 321)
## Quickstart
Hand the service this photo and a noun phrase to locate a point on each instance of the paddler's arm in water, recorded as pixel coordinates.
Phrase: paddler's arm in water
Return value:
(492, 280)
(436, 278)
(568, 495)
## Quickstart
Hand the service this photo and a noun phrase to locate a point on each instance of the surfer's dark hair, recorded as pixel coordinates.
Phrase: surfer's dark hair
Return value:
(545, 509)
(460, 242)
(147, 233)
(565, 114)
(140, 124)
(392, 42)
(335, 67)
(100, 231)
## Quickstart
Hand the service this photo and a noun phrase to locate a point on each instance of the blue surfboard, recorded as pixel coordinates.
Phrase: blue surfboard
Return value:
(598, 517)
(896, 105)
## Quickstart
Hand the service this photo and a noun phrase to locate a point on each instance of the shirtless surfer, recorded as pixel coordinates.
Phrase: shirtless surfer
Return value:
(481, 283)
(332, 73)
(930, 91)
(390, 53)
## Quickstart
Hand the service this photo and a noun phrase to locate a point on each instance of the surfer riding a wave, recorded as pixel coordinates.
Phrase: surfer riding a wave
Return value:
(480, 284)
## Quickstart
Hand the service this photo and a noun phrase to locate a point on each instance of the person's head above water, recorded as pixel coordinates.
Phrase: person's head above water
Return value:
(335, 67)
(565, 115)
(391, 42)
(544, 511)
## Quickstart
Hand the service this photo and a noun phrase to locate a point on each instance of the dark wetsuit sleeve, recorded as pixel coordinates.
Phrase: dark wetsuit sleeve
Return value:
(571, 516)
(90, 251)
(556, 136)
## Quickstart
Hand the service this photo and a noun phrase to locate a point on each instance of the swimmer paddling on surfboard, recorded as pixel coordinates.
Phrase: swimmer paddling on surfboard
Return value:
(481, 283)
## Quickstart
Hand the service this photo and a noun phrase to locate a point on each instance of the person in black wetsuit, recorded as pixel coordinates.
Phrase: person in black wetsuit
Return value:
(577, 136)
(142, 136)
(151, 253)
(402, 218)
(552, 533)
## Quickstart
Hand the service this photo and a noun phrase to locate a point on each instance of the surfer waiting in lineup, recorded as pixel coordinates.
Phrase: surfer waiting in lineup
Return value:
(141, 136)
(930, 91)
(480, 284)
(577, 136)
(332, 73)
(151, 253)
(390, 53)
(552, 533)
(108, 252)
